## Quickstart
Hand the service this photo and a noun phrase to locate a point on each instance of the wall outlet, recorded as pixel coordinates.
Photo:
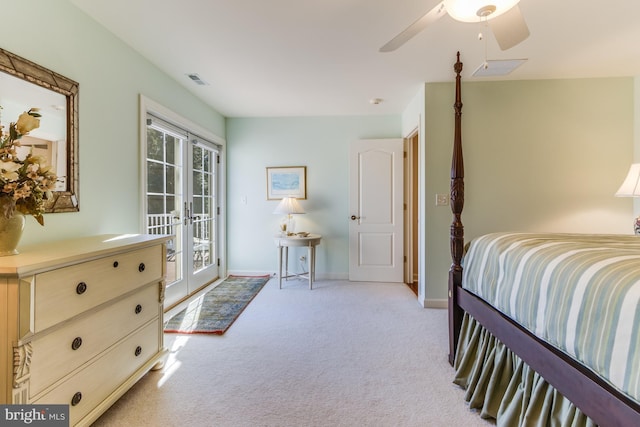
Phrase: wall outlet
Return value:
(442, 199)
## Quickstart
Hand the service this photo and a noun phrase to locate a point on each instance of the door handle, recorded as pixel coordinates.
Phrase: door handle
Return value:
(353, 217)
(188, 211)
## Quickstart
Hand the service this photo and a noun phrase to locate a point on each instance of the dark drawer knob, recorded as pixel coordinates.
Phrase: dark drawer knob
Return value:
(77, 342)
(138, 351)
(138, 309)
(115, 264)
(76, 399)
(141, 267)
(81, 288)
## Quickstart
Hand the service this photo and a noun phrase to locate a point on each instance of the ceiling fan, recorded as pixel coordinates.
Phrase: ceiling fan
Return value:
(503, 16)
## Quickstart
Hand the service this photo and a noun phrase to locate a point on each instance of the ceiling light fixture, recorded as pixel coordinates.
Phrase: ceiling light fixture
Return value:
(474, 10)
(376, 101)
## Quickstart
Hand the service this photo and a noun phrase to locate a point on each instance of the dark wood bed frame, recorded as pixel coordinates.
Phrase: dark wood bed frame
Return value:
(593, 396)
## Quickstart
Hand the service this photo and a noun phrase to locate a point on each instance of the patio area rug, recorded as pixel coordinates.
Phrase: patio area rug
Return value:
(215, 311)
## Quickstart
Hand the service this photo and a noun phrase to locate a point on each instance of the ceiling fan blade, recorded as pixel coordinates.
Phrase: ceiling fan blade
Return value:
(413, 29)
(509, 28)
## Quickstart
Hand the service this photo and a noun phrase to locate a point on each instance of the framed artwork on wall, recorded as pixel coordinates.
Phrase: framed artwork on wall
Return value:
(286, 181)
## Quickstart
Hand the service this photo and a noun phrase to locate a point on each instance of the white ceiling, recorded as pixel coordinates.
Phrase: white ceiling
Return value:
(320, 57)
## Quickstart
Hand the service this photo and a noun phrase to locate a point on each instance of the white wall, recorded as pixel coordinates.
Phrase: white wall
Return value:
(319, 143)
(57, 35)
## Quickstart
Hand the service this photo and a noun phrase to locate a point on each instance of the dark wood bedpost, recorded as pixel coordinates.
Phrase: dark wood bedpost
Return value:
(457, 229)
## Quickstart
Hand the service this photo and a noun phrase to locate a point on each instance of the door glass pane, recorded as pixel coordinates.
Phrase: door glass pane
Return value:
(205, 160)
(155, 144)
(198, 179)
(170, 173)
(170, 146)
(155, 181)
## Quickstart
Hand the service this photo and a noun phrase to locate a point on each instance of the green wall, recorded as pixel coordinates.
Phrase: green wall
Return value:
(57, 35)
(543, 155)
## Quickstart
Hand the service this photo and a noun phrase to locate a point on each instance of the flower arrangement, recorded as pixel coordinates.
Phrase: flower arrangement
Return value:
(26, 183)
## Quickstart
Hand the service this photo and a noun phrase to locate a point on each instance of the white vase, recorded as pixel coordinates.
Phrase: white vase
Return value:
(10, 233)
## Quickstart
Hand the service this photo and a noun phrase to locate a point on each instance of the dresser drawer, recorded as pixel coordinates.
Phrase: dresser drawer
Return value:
(66, 349)
(61, 294)
(93, 384)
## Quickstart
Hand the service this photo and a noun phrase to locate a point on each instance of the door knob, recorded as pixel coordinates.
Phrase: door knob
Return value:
(353, 217)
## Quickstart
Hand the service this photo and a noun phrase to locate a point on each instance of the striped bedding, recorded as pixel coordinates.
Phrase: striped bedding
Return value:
(578, 292)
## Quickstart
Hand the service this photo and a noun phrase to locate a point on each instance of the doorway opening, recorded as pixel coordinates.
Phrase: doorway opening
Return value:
(411, 212)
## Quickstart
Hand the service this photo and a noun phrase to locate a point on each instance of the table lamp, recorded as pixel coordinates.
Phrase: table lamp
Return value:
(288, 206)
(631, 188)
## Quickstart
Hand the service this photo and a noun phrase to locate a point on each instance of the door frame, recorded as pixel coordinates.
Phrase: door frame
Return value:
(412, 211)
(147, 105)
(420, 153)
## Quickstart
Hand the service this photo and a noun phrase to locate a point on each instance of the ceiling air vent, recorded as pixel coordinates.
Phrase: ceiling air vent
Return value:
(497, 67)
(197, 80)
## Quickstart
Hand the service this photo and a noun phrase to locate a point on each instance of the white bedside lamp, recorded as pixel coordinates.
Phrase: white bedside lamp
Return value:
(631, 188)
(288, 206)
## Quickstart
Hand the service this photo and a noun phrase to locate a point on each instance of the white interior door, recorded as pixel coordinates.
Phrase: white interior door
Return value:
(376, 210)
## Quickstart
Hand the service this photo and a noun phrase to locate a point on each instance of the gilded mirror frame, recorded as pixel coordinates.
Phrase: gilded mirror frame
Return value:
(66, 200)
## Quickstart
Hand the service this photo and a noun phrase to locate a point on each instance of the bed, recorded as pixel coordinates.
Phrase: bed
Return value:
(527, 355)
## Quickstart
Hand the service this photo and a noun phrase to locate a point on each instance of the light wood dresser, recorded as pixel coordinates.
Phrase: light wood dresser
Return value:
(81, 321)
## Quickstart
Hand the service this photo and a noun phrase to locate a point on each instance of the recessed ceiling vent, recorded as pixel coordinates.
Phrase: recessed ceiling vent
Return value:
(497, 67)
(197, 80)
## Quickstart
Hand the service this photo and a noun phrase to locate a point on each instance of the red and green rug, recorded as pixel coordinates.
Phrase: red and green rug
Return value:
(215, 311)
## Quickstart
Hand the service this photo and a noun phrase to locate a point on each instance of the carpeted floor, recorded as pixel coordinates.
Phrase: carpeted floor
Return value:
(343, 354)
(216, 310)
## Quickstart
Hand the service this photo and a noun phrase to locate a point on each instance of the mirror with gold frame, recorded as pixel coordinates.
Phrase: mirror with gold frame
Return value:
(25, 85)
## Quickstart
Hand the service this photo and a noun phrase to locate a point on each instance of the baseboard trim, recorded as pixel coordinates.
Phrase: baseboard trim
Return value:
(251, 273)
(319, 276)
(332, 276)
(436, 303)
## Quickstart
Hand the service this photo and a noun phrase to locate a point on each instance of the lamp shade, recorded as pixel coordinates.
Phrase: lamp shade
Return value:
(631, 185)
(288, 206)
(467, 10)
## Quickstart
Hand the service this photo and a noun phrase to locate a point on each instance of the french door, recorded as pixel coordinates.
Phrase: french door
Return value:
(182, 200)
